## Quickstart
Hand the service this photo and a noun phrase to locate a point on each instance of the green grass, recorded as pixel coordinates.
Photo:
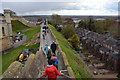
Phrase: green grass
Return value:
(34, 47)
(31, 33)
(78, 67)
(11, 56)
(18, 26)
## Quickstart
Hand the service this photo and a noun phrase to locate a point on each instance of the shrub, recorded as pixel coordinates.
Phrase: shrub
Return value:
(74, 40)
(68, 31)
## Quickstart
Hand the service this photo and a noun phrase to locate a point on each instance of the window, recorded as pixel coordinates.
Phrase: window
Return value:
(3, 31)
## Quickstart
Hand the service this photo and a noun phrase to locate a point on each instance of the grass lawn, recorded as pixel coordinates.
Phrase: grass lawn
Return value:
(11, 56)
(18, 26)
(78, 67)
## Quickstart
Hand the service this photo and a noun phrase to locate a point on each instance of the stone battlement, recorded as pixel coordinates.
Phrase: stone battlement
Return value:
(32, 68)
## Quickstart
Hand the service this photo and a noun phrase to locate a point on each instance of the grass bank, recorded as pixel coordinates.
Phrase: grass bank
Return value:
(18, 26)
(78, 67)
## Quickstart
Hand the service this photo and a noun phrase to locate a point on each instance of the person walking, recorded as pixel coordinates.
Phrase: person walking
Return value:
(47, 29)
(55, 61)
(53, 47)
(51, 71)
(49, 54)
(44, 22)
(21, 57)
(46, 48)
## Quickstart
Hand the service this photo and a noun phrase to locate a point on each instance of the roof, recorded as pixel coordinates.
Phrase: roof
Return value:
(116, 56)
(97, 37)
(104, 50)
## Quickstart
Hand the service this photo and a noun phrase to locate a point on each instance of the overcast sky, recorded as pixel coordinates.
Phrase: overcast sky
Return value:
(62, 7)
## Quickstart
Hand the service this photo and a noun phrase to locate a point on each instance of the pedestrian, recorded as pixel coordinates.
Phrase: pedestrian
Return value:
(47, 29)
(49, 54)
(46, 48)
(55, 61)
(44, 22)
(25, 53)
(45, 32)
(53, 47)
(51, 71)
(21, 57)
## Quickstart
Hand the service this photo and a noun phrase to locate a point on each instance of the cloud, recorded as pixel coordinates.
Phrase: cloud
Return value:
(73, 12)
(40, 0)
(78, 7)
(1, 7)
(36, 6)
(118, 6)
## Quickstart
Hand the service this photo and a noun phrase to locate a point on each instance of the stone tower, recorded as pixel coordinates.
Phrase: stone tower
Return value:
(6, 40)
(8, 21)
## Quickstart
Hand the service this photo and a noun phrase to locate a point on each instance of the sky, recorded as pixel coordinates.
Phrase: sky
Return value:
(61, 7)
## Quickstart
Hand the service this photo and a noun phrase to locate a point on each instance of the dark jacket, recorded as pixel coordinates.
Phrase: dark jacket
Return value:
(53, 46)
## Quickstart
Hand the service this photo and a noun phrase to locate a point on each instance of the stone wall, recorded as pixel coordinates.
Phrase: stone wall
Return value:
(34, 65)
(5, 31)
(62, 56)
(24, 21)
(4, 42)
(2, 18)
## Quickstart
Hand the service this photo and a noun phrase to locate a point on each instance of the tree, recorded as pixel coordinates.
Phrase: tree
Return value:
(74, 40)
(82, 24)
(57, 19)
(68, 31)
(99, 25)
(107, 25)
(87, 24)
(90, 24)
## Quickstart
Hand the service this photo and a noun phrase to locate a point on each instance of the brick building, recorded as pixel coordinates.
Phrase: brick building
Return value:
(104, 47)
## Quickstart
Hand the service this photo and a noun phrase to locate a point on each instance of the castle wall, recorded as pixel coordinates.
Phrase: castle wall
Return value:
(5, 22)
(2, 18)
(4, 42)
(24, 21)
(8, 20)
(5, 31)
(35, 64)
(4, 39)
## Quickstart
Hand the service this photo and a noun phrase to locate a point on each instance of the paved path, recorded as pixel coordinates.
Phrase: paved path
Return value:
(49, 40)
(16, 45)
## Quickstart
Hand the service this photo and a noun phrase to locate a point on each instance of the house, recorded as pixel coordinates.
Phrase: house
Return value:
(69, 21)
(104, 47)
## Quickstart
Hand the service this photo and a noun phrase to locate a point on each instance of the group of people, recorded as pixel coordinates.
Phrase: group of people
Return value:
(52, 67)
(50, 50)
(51, 53)
(23, 55)
(45, 30)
